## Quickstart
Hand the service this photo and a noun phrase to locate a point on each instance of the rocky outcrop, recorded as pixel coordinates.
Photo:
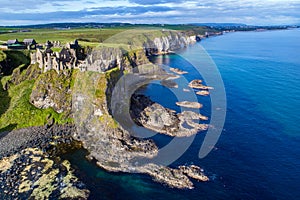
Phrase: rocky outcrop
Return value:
(203, 92)
(189, 104)
(163, 120)
(176, 178)
(31, 73)
(102, 59)
(194, 172)
(53, 90)
(197, 84)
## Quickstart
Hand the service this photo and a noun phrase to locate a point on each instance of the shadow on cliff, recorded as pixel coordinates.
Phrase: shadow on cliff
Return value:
(6, 130)
(4, 99)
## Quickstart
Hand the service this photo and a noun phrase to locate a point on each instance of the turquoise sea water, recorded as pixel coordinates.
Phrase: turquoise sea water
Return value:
(258, 153)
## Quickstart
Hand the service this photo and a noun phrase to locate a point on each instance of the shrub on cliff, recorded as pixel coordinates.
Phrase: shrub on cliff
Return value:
(2, 56)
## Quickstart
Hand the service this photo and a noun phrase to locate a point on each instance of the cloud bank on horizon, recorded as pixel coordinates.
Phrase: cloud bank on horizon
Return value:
(254, 12)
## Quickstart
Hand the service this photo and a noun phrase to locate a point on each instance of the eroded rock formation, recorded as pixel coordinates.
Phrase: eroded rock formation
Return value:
(163, 120)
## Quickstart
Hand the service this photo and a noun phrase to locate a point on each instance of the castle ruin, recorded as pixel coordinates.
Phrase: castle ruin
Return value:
(69, 57)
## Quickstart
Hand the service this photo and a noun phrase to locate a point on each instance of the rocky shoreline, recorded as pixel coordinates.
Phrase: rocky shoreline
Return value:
(12, 142)
(30, 166)
(26, 155)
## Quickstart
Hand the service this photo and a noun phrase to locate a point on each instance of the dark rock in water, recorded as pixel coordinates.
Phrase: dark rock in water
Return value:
(169, 83)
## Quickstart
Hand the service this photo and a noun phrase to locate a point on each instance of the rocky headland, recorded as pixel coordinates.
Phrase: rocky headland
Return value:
(86, 98)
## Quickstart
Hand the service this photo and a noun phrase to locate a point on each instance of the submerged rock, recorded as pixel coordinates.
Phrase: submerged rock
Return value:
(178, 71)
(169, 83)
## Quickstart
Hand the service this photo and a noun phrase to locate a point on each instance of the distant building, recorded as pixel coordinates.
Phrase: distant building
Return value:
(30, 43)
(15, 44)
(11, 42)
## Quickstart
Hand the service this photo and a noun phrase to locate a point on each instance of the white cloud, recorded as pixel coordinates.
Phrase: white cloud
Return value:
(151, 11)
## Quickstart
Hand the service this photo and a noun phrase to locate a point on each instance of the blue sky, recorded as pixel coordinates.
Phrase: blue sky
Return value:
(254, 12)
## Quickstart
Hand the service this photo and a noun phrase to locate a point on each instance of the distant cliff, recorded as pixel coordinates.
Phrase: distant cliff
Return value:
(171, 42)
(105, 58)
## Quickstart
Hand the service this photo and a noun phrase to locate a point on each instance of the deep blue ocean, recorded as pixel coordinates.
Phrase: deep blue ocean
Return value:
(258, 153)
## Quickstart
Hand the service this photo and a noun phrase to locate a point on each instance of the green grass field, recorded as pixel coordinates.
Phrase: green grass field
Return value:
(64, 36)
(94, 36)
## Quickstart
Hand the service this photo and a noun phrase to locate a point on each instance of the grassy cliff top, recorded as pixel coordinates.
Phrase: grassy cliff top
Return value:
(93, 36)
(43, 35)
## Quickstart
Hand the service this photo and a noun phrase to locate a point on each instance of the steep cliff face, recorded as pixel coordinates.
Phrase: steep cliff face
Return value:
(106, 58)
(171, 42)
(19, 74)
(102, 59)
(11, 59)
